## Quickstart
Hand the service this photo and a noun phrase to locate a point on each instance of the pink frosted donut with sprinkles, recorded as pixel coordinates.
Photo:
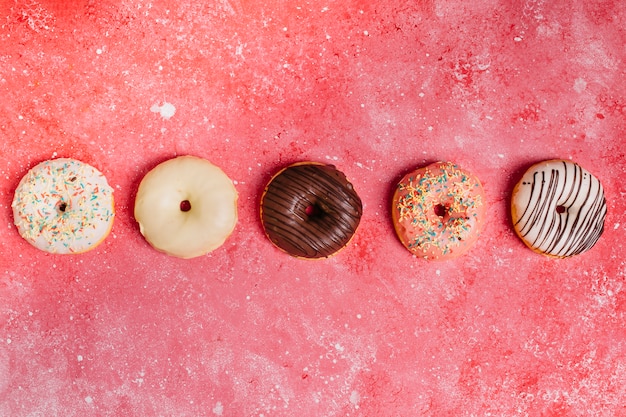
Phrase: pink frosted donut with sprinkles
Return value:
(438, 211)
(63, 206)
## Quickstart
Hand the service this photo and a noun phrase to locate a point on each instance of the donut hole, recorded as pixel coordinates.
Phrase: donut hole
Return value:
(185, 206)
(441, 210)
(61, 207)
(313, 211)
(560, 209)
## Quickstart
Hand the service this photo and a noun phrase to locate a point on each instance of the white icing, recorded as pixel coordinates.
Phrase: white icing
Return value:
(186, 234)
(63, 206)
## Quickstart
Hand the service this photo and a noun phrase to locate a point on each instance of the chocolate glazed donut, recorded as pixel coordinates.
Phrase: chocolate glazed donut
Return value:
(310, 210)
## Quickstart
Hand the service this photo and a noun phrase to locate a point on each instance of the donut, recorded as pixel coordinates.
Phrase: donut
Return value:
(63, 206)
(558, 208)
(186, 207)
(310, 210)
(438, 211)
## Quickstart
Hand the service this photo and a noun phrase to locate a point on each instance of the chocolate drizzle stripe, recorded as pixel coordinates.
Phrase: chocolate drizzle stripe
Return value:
(337, 210)
(597, 209)
(578, 227)
(564, 236)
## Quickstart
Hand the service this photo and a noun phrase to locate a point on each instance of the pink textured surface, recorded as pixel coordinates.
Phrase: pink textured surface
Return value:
(374, 87)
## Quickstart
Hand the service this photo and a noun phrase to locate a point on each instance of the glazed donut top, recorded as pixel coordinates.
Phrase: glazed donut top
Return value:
(186, 207)
(63, 206)
(438, 210)
(310, 210)
(558, 208)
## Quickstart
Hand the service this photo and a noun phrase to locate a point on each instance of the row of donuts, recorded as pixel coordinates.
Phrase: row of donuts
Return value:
(187, 207)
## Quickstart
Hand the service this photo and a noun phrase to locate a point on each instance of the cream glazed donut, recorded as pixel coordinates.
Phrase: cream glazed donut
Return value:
(558, 208)
(438, 211)
(186, 207)
(63, 206)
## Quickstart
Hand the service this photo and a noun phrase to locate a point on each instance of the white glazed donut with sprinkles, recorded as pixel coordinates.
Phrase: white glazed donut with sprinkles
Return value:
(63, 206)
(558, 208)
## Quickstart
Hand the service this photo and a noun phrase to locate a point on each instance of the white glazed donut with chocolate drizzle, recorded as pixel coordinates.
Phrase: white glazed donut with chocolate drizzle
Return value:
(558, 208)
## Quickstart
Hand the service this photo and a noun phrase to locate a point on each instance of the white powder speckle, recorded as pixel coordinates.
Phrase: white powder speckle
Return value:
(88, 400)
(355, 398)
(616, 226)
(218, 409)
(167, 110)
(580, 85)
(79, 358)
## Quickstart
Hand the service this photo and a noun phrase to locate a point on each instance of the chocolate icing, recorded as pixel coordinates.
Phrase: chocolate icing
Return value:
(310, 210)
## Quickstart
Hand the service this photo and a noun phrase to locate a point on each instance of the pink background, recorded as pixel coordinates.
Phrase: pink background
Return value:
(376, 88)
